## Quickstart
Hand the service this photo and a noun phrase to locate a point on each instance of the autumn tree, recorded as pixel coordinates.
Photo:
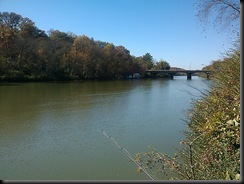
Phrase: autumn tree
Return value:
(122, 62)
(88, 52)
(9, 26)
(19, 45)
(29, 53)
(58, 47)
(27, 42)
(106, 67)
(74, 61)
(138, 65)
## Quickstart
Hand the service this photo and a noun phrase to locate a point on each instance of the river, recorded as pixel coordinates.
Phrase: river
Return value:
(52, 131)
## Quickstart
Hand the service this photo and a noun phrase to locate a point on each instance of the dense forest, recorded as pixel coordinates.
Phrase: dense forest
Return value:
(28, 53)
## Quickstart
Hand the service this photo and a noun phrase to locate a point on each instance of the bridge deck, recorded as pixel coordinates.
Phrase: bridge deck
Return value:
(174, 72)
(178, 71)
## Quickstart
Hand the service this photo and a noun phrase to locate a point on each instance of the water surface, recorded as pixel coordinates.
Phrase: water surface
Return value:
(52, 131)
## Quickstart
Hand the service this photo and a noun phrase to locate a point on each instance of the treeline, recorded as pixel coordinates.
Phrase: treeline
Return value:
(30, 54)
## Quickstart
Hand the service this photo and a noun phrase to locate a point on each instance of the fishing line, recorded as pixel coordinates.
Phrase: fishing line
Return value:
(127, 154)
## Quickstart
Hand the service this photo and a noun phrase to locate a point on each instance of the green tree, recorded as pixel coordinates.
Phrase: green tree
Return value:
(161, 65)
(148, 59)
(11, 20)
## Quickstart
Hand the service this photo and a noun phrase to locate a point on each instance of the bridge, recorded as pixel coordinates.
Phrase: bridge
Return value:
(172, 73)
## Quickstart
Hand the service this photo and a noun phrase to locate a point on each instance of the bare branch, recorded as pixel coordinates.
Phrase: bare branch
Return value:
(220, 13)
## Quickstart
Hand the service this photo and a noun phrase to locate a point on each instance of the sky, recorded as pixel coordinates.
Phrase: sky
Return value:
(167, 29)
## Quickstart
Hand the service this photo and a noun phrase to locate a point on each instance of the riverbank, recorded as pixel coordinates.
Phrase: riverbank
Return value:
(22, 79)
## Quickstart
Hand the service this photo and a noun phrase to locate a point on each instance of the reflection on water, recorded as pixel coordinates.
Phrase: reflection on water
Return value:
(52, 131)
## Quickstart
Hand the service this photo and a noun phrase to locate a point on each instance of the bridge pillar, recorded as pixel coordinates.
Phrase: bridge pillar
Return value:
(153, 75)
(189, 76)
(171, 76)
(208, 75)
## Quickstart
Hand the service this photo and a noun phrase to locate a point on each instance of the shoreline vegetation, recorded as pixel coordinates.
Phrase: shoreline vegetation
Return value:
(28, 53)
(211, 148)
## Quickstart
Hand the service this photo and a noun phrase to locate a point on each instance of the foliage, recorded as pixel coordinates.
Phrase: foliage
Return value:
(148, 60)
(29, 54)
(211, 149)
(161, 65)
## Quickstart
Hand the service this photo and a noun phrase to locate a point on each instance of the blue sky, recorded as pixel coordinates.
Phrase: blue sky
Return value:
(167, 29)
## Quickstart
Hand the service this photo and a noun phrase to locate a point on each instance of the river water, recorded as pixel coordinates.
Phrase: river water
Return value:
(52, 131)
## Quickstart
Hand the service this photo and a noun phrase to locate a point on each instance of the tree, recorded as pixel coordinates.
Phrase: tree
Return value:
(138, 65)
(109, 59)
(122, 62)
(221, 14)
(28, 53)
(19, 39)
(9, 25)
(88, 51)
(11, 20)
(58, 48)
(73, 63)
(28, 45)
(148, 59)
(161, 65)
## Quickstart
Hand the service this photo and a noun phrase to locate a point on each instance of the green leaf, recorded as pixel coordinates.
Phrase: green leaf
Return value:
(227, 175)
(237, 176)
(230, 122)
(235, 123)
